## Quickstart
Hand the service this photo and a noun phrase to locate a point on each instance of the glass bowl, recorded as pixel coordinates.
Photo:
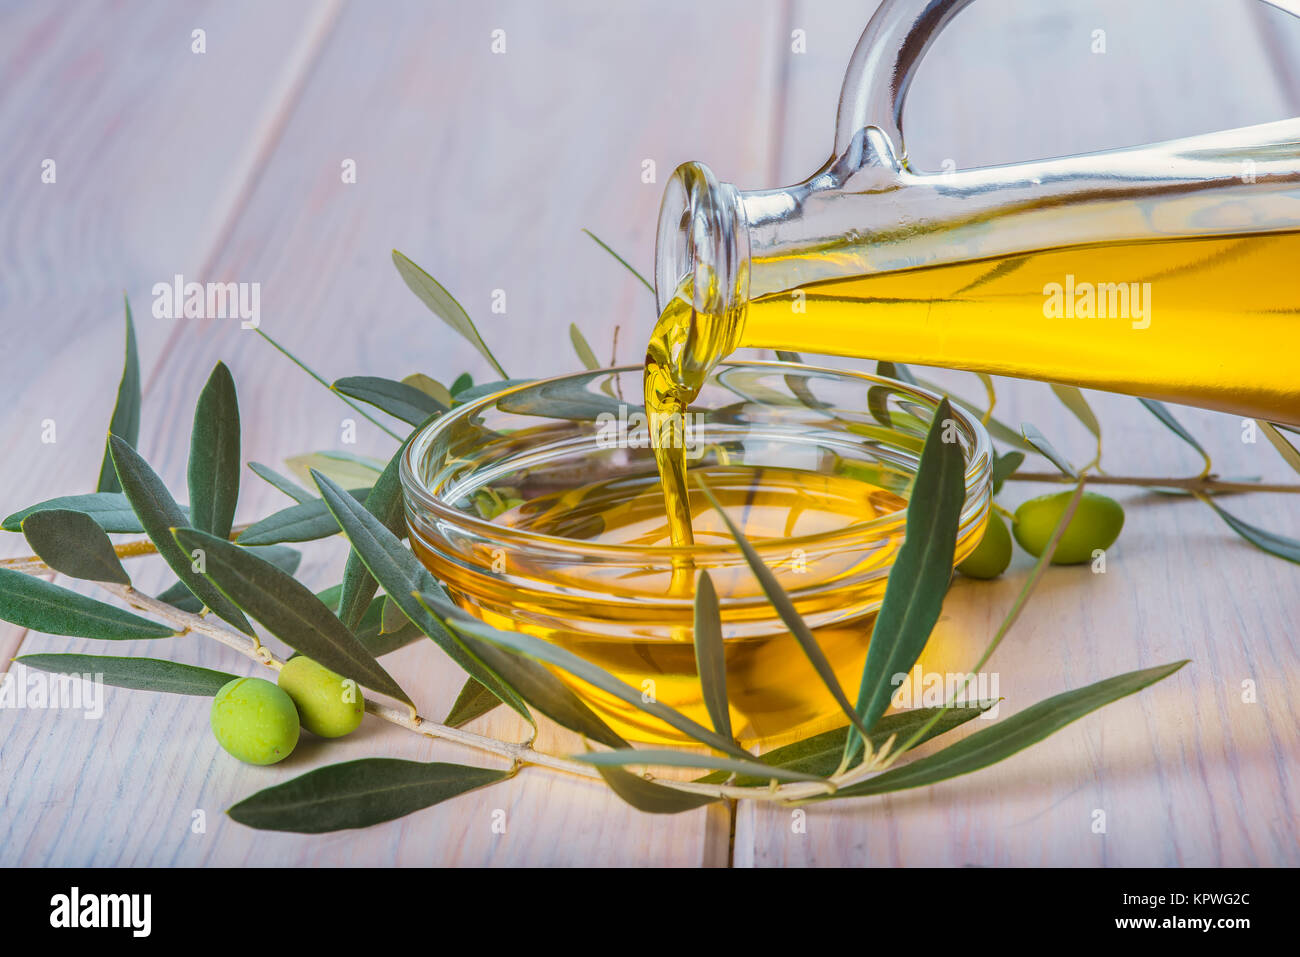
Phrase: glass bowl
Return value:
(539, 508)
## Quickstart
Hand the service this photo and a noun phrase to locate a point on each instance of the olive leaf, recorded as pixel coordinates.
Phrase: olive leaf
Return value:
(110, 510)
(786, 610)
(626, 265)
(1161, 412)
(1073, 400)
(461, 383)
(297, 523)
(380, 642)
(282, 557)
(330, 597)
(563, 399)
(710, 656)
(287, 609)
(1271, 542)
(472, 393)
(125, 421)
(401, 575)
(896, 371)
(878, 403)
(821, 754)
(801, 389)
(386, 504)
(358, 794)
(399, 400)
(442, 304)
(990, 392)
(995, 426)
(533, 683)
(550, 654)
(370, 631)
(1284, 448)
(321, 379)
(159, 514)
(1004, 466)
(430, 387)
(285, 484)
(72, 543)
(180, 598)
(894, 436)
(583, 348)
(751, 389)
(474, 701)
(689, 759)
(385, 644)
(347, 468)
(996, 743)
(138, 674)
(649, 797)
(392, 618)
(1067, 515)
(34, 603)
(918, 580)
(213, 471)
(1045, 448)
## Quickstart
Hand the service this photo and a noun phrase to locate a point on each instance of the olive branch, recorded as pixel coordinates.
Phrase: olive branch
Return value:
(387, 600)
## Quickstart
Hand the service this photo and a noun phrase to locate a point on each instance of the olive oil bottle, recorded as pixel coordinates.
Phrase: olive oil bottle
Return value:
(1167, 270)
(1208, 321)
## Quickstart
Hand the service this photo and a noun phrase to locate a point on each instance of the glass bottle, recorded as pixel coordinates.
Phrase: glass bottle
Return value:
(1170, 270)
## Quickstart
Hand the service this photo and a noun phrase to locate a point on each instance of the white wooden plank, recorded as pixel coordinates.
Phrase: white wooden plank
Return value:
(142, 188)
(483, 168)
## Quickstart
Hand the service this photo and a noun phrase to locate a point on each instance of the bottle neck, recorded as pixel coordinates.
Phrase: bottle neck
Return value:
(864, 214)
(702, 255)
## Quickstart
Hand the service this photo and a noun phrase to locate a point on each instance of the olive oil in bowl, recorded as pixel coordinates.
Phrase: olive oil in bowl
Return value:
(542, 510)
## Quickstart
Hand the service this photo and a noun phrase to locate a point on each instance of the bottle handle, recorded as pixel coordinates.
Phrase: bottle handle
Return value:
(891, 48)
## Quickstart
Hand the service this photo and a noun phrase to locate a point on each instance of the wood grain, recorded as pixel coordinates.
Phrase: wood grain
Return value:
(484, 168)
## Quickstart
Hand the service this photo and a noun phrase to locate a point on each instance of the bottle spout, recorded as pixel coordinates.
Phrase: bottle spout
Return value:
(717, 247)
(867, 212)
(702, 255)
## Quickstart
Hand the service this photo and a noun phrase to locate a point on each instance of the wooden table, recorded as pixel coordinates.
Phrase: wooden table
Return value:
(226, 165)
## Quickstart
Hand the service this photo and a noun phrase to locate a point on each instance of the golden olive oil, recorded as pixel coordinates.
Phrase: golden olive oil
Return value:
(669, 391)
(1210, 322)
(772, 689)
(666, 405)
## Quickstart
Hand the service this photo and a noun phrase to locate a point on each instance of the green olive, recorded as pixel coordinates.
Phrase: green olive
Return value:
(328, 704)
(993, 554)
(1095, 525)
(255, 721)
